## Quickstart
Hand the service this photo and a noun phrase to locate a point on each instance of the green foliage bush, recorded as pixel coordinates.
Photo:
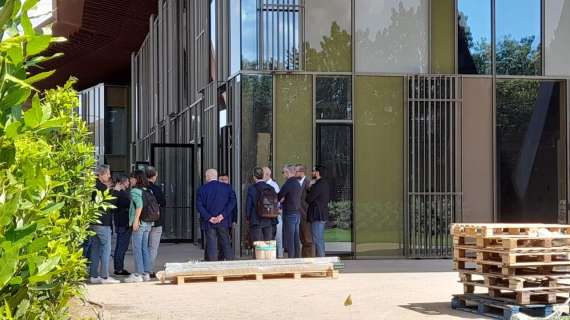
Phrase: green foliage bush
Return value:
(341, 213)
(46, 180)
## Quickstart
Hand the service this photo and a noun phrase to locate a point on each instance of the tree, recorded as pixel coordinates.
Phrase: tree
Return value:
(46, 179)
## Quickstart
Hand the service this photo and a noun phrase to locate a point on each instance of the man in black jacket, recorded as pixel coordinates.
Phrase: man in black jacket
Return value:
(318, 198)
(156, 231)
(121, 220)
(290, 198)
(101, 242)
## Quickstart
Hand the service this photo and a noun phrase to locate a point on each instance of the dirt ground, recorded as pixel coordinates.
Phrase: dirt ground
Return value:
(380, 289)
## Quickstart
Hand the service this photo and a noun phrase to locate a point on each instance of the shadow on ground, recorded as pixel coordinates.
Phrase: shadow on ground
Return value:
(438, 309)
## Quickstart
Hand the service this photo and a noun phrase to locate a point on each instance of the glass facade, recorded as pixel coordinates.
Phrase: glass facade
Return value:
(249, 38)
(235, 36)
(392, 36)
(213, 52)
(328, 36)
(379, 166)
(293, 120)
(518, 37)
(443, 36)
(531, 144)
(333, 98)
(116, 130)
(474, 47)
(557, 37)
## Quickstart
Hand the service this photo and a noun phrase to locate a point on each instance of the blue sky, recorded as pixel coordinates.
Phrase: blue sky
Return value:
(518, 18)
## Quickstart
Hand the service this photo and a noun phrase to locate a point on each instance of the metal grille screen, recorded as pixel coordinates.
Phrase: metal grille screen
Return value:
(433, 163)
(280, 26)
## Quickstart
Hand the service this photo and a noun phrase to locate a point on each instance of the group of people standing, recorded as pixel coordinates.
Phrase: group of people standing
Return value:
(294, 214)
(135, 220)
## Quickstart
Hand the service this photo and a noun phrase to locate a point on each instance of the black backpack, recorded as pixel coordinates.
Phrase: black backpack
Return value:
(151, 209)
(267, 203)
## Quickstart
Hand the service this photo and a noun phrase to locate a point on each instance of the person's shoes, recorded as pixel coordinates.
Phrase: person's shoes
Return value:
(153, 275)
(97, 280)
(133, 278)
(122, 273)
(109, 280)
(146, 277)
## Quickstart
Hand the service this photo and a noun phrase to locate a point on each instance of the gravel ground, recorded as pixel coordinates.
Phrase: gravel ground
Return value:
(380, 289)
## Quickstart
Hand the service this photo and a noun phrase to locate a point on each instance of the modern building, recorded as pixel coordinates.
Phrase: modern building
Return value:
(424, 112)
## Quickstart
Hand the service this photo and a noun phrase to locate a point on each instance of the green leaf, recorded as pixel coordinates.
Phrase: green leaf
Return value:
(6, 13)
(19, 82)
(52, 123)
(39, 77)
(16, 55)
(34, 116)
(53, 208)
(20, 237)
(38, 44)
(22, 309)
(29, 4)
(8, 266)
(38, 245)
(48, 266)
(11, 129)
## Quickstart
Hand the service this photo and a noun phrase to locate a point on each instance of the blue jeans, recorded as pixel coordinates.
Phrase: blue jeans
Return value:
(121, 247)
(318, 229)
(213, 235)
(291, 240)
(100, 252)
(141, 251)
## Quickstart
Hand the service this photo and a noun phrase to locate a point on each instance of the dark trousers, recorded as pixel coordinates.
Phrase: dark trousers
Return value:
(291, 241)
(121, 247)
(213, 235)
(262, 233)
(308, 249)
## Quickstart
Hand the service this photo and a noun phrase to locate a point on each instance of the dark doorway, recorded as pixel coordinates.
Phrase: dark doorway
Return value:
(175, 163)
(531, 151)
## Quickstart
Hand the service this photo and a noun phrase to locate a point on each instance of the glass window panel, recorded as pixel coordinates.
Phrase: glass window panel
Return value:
(379, 166)
(392, 36)
(294, 120)
(518, 37)
(557, 37)
(213, 52)
(334, 151)
(474, 37)
(116, 131)
(328, 35)
(442, 36)
(235, 33)
(531, 127)
(334, 98)
(249, 57)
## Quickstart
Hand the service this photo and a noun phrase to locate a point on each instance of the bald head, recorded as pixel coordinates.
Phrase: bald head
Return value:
(211, 175)
(266, 173)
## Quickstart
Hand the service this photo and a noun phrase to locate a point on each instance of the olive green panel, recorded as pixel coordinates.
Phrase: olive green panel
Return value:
(293, 121)
(379, 165)
(443, 36)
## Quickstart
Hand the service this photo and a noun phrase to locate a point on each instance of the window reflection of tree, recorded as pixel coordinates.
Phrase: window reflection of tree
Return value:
(335, 53)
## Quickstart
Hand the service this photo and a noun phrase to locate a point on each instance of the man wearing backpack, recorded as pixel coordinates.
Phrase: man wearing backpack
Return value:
(261, 208)
(215, 202)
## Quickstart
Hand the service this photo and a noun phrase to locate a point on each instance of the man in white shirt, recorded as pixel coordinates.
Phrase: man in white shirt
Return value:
(279, 228)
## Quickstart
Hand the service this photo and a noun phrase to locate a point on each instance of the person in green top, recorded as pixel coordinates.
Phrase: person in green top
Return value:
(141, 229)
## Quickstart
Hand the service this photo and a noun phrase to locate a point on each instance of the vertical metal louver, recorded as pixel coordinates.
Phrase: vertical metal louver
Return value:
(433, 163)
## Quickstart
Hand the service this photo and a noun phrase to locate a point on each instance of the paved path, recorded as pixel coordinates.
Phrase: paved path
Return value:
(380, 289)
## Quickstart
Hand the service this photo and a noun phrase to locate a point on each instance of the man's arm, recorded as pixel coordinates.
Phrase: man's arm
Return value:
(314, 193)
(283, 192)
(204, 213)
(230, 205)
(249, 204)
(159, 195)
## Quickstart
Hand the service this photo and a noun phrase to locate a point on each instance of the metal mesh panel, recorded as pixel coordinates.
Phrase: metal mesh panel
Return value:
(433, 164)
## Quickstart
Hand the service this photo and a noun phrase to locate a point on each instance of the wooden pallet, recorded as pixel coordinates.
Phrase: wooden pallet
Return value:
(333, 274)
(524, 296)
(513, 242)
(503, 229)
(490, 307)
(518, 282)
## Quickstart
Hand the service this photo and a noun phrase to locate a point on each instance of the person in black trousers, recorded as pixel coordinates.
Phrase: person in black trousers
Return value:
(260, 229)
(121, 222)
(318, 198)
(290, 198)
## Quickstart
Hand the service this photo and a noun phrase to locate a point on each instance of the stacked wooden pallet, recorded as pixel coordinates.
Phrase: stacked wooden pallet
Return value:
(519, 264)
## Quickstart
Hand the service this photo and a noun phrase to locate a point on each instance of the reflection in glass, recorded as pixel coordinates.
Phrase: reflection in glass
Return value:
(557, 37)
(328, 36)
(280, 34)
(235, 43)
(518, 37)
(392, 36)
(530, 150)
(249, 32)
(334, 151)
(116, 131)
(474, 36)
(213, 53)
(334, 98)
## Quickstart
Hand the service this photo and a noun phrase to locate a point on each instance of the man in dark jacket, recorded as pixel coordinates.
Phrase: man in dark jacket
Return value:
(121, 221)
(307, 248)
(156, 230)
(101, 243)
(260, 229)
(318, 198)
(215, 202)
(290, 198)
